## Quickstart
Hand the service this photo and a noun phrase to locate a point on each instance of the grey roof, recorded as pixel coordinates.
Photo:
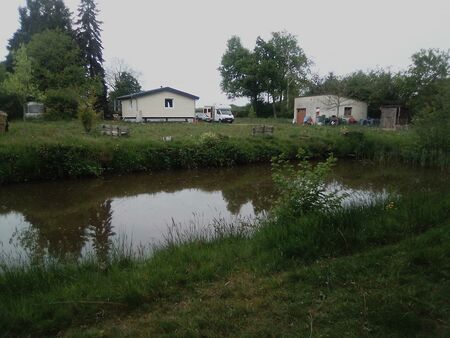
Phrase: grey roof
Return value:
(159, 90)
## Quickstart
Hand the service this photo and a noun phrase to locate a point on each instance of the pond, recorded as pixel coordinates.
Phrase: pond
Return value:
(70, 218)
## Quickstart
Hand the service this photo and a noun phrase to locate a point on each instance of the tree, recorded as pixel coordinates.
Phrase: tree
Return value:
(335, 93)
(88, 36)
(36, 17)
(239, 70)
(432, 122)
(21, 83)
(281, 62)
(56, 61)
(425, 75)
(270, 68)
(376, 88)
(121, 80)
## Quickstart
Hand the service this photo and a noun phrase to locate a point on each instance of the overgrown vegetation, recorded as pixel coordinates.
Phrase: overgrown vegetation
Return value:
(55, 150)
(379, 269)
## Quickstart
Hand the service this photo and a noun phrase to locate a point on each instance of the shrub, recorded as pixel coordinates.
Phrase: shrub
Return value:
(303, 189)
(87, 118)
(87, 113)
(61, 104)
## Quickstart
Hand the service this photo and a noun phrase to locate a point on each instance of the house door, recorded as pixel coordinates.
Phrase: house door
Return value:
(301, 113)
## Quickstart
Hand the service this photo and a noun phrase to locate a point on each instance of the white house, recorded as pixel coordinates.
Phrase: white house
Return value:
(159, 105)
(328, 105)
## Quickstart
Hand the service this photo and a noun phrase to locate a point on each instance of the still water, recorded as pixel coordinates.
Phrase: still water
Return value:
(70, 218)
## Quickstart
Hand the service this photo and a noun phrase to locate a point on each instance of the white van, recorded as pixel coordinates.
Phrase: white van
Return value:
(219, 113)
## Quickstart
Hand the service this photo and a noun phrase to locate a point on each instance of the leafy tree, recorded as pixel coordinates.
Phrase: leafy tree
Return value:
(270, 69)
(9, 101)
(428, 83)
(239, 70)
(281, 61)
(21, 82)
(56, 61)
(432, 122)
(424, 77)
(36, 17)
(125, 84)
(89, 39)
(3, 72)
(61, 103)
(121, 80)
(376, 87)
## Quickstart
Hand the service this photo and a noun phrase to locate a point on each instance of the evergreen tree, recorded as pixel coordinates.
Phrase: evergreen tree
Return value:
(90, 42)
(36, 17)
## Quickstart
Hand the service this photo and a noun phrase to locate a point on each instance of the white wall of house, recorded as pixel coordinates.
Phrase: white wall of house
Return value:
(327, 104)
(154, 106)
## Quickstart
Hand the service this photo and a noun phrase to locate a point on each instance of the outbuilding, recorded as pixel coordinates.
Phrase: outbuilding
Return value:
(394, 116)
(159, 105)
(311, 107)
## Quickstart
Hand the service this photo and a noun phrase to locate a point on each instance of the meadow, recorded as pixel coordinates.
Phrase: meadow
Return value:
(56, 150)
(375, 269)
(381, 269)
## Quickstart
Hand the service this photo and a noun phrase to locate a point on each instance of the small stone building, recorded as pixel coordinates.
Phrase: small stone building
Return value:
(328, 106)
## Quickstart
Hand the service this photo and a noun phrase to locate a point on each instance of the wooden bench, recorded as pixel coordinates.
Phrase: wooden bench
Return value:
(263, 130)
(112, 130)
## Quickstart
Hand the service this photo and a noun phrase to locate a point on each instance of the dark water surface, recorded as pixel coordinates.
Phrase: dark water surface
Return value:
(69, 218)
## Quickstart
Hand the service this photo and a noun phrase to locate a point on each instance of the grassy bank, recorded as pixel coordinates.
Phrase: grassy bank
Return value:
(53, 150)
(374, 270)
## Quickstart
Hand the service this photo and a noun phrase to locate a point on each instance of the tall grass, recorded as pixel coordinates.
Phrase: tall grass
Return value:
(54, 150)
(44, 299)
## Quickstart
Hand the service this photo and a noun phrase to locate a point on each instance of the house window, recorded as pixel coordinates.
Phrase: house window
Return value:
(168, 103)
(348, 111)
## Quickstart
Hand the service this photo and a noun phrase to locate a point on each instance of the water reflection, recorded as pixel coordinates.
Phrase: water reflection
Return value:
(62, 220)
(101, 230)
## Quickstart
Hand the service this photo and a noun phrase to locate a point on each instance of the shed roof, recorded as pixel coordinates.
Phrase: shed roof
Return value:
(156, 91)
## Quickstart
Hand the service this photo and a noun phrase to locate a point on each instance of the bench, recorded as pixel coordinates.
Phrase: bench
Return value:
(112, 130)
(263, 130)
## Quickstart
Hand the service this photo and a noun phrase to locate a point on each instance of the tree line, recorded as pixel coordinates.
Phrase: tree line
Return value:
(276, 71)
(57, 58)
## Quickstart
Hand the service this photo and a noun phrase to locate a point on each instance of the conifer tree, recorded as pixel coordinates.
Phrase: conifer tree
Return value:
(88, 35)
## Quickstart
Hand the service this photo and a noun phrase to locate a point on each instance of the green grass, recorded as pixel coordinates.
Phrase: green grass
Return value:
(55, 150)
(367, 271)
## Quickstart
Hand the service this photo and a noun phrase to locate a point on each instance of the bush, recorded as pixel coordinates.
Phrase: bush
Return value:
(303, 190)
(11, 104)
(87, 118)
(61, 104)
(87, 114)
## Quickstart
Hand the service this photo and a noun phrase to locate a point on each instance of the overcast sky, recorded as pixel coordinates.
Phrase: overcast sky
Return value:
(180, 43)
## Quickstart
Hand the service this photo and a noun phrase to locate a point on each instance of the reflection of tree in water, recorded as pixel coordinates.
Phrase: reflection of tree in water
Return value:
(59, 239)
(101, 230)
(258, 194)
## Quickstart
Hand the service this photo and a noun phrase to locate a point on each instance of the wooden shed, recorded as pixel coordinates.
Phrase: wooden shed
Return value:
(394, 116)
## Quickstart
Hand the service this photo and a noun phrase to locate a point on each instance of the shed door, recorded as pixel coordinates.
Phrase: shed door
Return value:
(301, 113)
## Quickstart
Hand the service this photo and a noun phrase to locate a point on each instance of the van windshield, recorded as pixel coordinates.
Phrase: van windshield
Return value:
(225, 112)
